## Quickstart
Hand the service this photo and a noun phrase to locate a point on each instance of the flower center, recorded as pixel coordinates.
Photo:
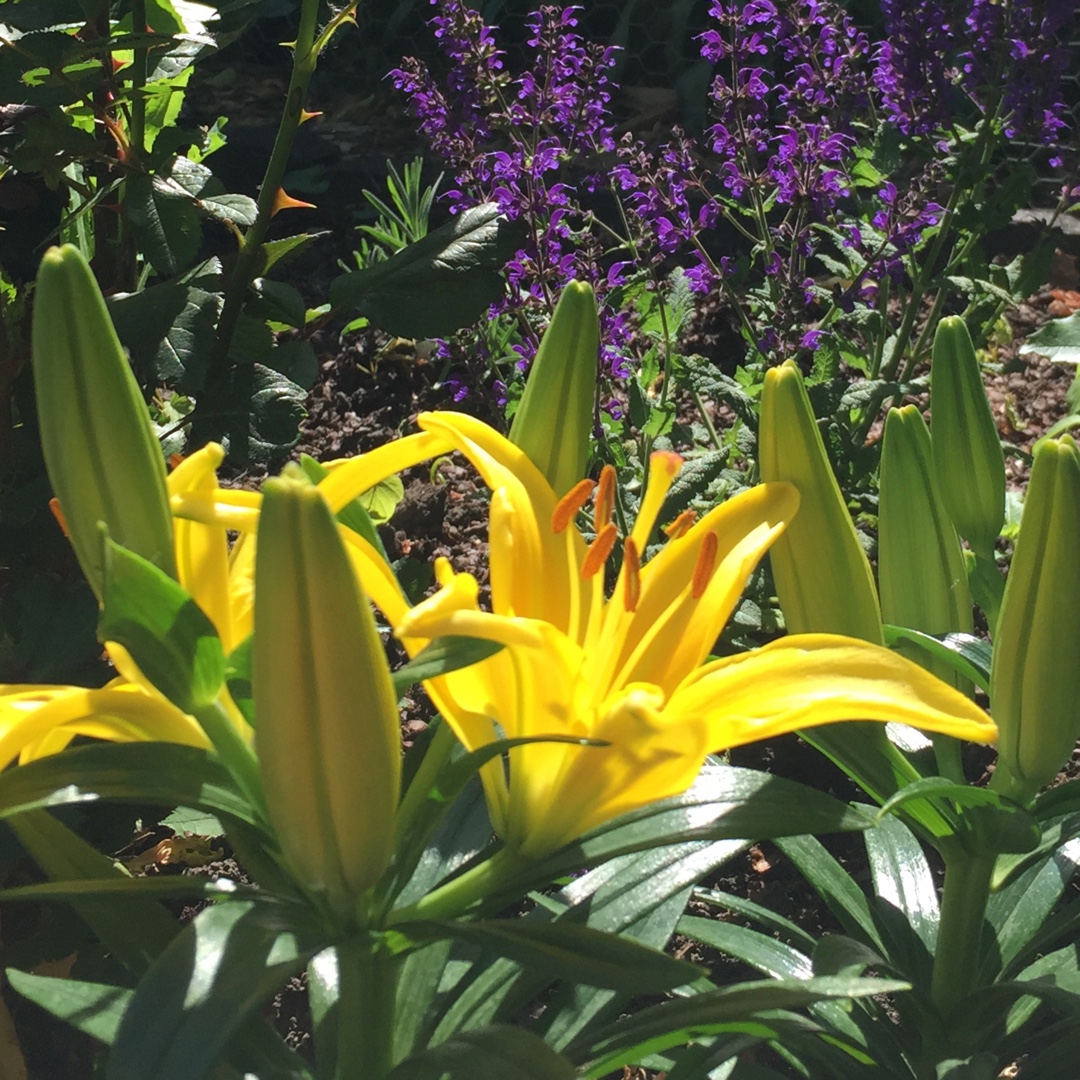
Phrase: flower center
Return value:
(663, 468)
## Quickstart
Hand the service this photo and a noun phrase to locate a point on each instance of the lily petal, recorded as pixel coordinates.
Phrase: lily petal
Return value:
(812, 679)
(671, 632)
(202, 551)
(30, 713)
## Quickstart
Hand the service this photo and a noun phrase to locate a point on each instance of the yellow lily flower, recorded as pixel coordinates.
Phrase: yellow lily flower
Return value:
(39, 720)
(627, 671)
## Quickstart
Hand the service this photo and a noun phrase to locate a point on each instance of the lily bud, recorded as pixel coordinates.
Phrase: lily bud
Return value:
(1035, 671)
(555, 417)
(968, 460)
(823, 578)
(102, 456)
(921, 574)
(327, 732)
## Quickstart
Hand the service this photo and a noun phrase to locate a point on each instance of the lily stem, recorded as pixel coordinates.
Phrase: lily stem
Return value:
(367, 976)
(960, 933)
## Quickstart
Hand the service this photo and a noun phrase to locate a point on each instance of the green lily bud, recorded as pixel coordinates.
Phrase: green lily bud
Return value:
(102, 456)
(823, 578)
(822, 575)
(968, 460)
(554, 419)
(327, 732)
(1035, 671)
(921, 575)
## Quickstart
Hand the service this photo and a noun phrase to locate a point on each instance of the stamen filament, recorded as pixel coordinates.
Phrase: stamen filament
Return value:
(681, 525)
(568, 506)
(706, 564)
(664, 466)
(599, 550)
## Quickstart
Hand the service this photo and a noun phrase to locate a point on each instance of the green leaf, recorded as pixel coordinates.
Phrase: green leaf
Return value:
(135, 929)
(1058, 801)
(296, 360)
(276, 410)
(966, 654)
(381, 500)
(238, 679)
(169, 331)
(491, 1053)
(238, 210)
(902, 876)
(725, 803)
(1060, 967)
(939, 787)
(168, 635)
(443, 655)
(1059, 340)
(437, 285)
(906, 897)
(277, 301)
(165, 222)
(836, 954)
(978, 1020)
(214, 975)
(760, 951)
(158, 773)
(685, 1020)
(93, 1008)
(834, 885)
(561, 950)
(761, 915)
(196, 822)
(639, 897)
(96, 1009)
(159, 888)
(1018, 912)
(277, 251)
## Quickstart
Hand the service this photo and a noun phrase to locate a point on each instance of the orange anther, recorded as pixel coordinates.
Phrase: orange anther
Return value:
(58, 513)
(599, 550)
(568, 506)
(706, 564)
(681, 525)
(175, 459)
(605, 498)
(631, 575)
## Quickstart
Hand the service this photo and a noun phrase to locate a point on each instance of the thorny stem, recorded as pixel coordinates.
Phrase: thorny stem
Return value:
(306, 51)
